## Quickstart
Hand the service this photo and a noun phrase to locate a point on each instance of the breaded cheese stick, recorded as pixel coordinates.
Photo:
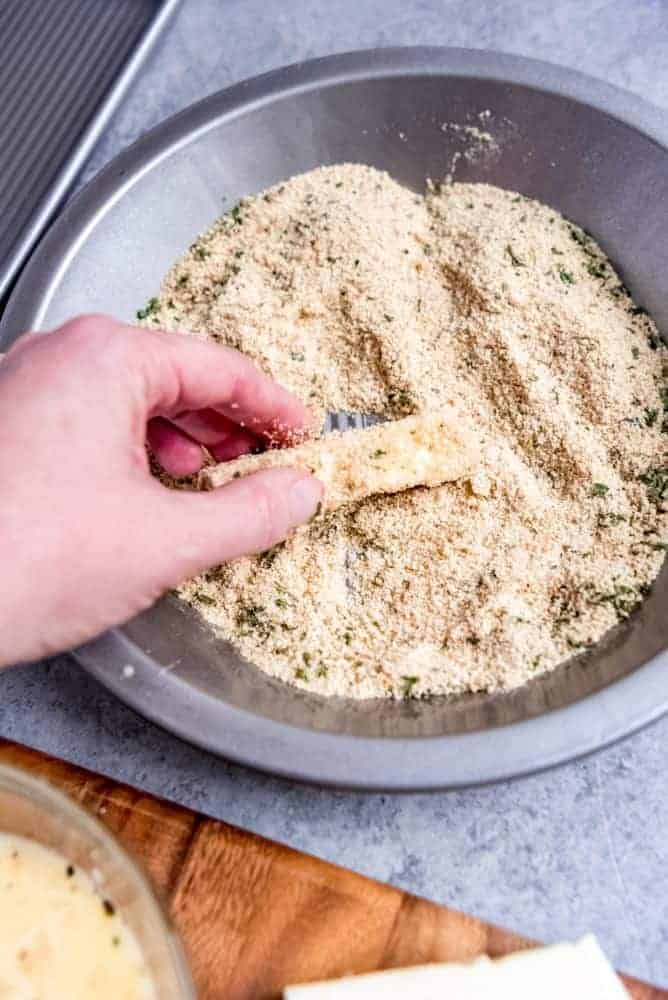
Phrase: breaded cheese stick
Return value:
(423, 450)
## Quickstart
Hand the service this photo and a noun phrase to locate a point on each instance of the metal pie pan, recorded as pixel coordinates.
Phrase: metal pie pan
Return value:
(597, 154)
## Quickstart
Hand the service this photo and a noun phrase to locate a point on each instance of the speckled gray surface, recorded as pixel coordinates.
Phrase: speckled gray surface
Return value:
(583, 847)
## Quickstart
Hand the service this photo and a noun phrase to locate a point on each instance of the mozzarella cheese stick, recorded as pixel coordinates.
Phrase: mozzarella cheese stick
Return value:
(423, 450)
(579, 971)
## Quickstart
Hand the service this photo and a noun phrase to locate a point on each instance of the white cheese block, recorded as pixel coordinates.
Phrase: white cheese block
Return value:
(578, 971)
(423, 450)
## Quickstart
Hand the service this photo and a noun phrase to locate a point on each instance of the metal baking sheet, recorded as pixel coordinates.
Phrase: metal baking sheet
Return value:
(596, 153)
(65, 67)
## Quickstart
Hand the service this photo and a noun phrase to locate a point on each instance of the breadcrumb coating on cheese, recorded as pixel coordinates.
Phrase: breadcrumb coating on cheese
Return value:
(425, 450)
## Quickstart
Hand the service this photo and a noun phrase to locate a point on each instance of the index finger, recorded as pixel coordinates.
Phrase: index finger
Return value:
(184, 373)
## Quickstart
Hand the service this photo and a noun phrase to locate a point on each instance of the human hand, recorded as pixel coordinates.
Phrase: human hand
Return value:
(88, 538)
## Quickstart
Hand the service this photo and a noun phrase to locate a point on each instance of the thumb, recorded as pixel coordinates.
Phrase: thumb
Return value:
(245, 516)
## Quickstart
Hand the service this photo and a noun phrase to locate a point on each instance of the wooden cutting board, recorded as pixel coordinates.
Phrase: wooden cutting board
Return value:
(255, 916)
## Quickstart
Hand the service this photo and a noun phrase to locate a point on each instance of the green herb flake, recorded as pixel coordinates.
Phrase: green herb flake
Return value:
(580, 237)
(182, 280)
(650, 416)
(635, 351)
(378, 453)
(409, 684)
(151, 307)
(664, 404)
(204, 598)
(622, 598)
(235, 213)
(253, 618)
(598, 269)
(566, 276)
(301, 674)
(268, 558)
(656, 481)
(115, 941)
(322, 671)
(514, 259)
(606, 519)
(599, 490)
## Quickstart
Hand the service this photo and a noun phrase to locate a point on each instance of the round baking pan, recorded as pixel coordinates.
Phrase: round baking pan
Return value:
(597, 154)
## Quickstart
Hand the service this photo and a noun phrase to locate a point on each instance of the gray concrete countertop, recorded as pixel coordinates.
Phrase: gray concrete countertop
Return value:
(580, 848)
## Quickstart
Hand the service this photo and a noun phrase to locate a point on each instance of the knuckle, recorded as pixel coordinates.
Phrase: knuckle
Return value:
(76, 337)
(96, 336)
(86, 326)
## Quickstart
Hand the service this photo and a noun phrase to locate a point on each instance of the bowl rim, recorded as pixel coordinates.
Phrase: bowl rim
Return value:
(344, 760)
(42, 273)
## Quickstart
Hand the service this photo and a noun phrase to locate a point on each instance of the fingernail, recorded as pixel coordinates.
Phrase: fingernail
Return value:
(306, 494)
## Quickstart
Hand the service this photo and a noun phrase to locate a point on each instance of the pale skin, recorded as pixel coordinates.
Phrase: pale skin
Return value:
(88, 537)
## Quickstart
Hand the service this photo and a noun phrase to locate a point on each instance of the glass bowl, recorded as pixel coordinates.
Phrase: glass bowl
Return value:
(32, 808)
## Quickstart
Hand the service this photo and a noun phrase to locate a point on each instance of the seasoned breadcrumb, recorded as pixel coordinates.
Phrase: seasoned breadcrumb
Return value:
(361, 296)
